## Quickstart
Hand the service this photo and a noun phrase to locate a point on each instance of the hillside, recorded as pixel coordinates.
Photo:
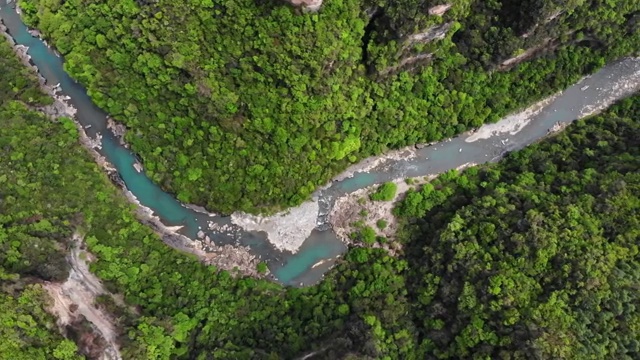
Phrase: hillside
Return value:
(537, 256)
(29, 252)
(532, 257)
(251, 105)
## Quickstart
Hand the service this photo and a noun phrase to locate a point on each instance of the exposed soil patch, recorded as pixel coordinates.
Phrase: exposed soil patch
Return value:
(74, 302)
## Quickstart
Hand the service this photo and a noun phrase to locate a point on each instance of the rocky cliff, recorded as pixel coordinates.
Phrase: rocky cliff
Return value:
(309, 5)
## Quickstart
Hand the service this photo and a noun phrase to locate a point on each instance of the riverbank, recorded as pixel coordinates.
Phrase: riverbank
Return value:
(286, 230)
(372, 162)
(354, 210)
(119, 131)
(512, 124)
(236, 259)
(299, 237)
(289, 229)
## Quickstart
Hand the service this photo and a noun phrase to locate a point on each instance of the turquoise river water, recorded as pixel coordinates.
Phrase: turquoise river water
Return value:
(298, 269)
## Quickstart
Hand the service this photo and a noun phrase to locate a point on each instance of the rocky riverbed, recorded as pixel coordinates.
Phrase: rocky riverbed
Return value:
(512, 124)
(356, 209)
(296, 246)
(235, 259)
(286, 230)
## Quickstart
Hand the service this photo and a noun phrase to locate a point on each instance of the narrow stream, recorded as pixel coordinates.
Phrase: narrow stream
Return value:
(298, 268)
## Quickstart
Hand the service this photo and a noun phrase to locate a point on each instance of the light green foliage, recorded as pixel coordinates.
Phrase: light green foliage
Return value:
(262, 268)
(385, 192)
(251, 105)
(152, 341)
(381, 224)
(506, 261)
(367, 235)
(28, 331)
(182, 306)
(29, 243)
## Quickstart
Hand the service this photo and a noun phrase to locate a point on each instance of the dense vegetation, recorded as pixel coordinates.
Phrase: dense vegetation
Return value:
(534, 257)
(251, 104)
(385, 192)
(17, 82)
(27, 247)
(51, 188)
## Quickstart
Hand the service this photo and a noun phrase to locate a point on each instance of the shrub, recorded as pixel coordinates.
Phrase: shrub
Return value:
(385, 192)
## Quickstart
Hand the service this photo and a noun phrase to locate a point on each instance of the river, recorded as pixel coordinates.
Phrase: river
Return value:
(322, 245)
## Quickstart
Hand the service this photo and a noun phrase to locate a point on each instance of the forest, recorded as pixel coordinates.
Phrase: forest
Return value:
(251, 105)
(29, 251)
(537, 256)
(532, 257)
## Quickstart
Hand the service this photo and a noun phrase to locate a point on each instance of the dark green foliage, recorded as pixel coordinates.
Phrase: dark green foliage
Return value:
(381, 224)
(535, 256)
(251, 105)
(16, 81)
(31, 245)
(385, 192)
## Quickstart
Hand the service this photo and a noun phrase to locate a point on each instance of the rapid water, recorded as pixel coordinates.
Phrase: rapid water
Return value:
(322, 245)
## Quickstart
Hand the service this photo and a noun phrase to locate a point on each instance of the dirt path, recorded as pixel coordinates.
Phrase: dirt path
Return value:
(76, 297)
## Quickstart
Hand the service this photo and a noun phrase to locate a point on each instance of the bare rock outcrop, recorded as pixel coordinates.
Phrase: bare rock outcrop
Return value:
(118, 130)
(547, 44)
(407, 58)
(430, 34)
(406, 62)
(439, 10)
(308, 5)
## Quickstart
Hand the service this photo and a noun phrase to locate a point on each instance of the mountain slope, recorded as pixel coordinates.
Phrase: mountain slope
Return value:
(252, 105)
